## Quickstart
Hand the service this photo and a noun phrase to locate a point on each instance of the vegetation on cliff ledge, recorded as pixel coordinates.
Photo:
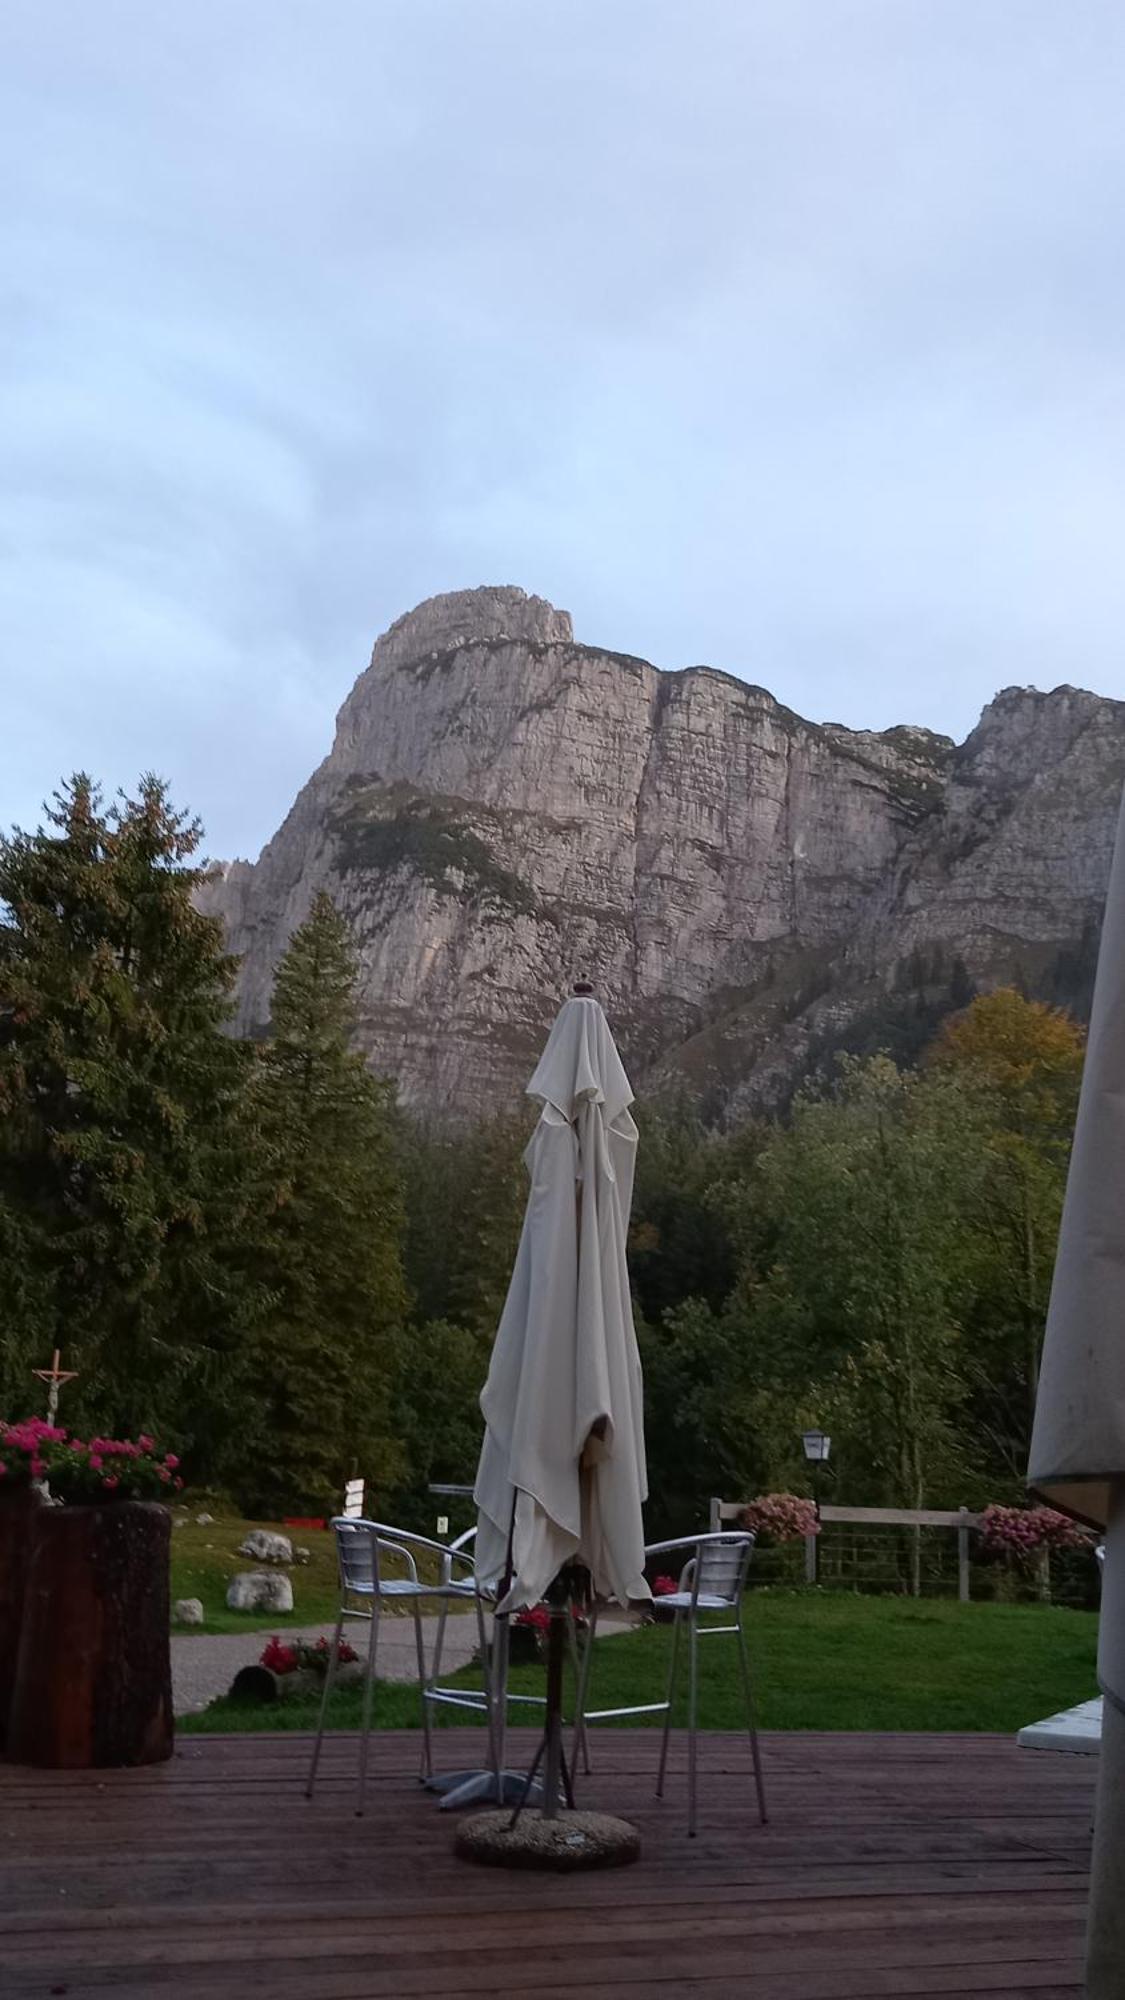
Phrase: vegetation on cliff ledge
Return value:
(433, 844)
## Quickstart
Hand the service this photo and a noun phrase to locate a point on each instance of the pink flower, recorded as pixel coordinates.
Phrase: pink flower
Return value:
(784, 1517)
(109, 1482)
(165, 1475)
(147, 1443)
(171, 1461)
(96, 1461)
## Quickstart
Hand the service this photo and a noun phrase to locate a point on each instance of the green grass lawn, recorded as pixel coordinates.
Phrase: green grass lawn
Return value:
(820, 1660)
(205, 1559)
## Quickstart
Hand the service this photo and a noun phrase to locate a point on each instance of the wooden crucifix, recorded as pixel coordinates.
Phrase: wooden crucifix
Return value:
(54, 1376)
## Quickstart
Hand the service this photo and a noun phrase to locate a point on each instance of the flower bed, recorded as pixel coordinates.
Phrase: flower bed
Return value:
(23, 1451)
(109, 1469)
(287, 1669)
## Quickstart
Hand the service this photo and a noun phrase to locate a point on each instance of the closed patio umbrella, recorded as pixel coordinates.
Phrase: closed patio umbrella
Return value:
(561, 1478)
(1078, 1441)
(562, 1469)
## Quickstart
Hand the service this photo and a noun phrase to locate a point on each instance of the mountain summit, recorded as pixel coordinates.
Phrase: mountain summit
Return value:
(504, 808)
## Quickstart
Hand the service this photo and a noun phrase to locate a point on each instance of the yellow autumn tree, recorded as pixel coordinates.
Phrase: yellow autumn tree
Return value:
(1021, 1062)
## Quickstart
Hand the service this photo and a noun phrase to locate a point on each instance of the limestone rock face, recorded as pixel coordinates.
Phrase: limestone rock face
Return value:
(504, 809)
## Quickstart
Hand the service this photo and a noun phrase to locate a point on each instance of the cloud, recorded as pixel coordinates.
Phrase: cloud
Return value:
(784, 337)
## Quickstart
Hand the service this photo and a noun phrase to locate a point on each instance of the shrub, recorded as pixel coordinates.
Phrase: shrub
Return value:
(1022, 1532)
(780, 1517)
(283, 1657)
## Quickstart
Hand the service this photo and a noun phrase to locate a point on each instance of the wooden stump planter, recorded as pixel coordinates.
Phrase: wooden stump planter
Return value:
(18, 1510)
(93, 1682)
(261, 1684)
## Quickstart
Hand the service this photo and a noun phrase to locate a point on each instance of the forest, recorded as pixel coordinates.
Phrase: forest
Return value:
(248, 1249)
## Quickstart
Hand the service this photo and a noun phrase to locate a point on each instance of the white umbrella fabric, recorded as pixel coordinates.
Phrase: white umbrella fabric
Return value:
(562, 1469)
(1077, 1458)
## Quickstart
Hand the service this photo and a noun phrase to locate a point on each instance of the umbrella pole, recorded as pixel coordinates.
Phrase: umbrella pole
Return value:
(550, 1751)
(555, 1761)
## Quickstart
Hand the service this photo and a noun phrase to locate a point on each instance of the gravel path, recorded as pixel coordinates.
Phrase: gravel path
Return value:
(204, 1664)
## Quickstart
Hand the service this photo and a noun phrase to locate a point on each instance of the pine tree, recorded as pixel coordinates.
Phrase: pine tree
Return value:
(123, 1155)
(325, 1357)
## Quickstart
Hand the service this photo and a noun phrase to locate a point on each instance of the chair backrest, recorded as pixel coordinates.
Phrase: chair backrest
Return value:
(357, 1553)
(721, 1563)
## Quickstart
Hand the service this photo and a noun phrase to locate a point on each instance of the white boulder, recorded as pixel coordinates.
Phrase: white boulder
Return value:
(259, 1590)
(187, 1611)
(267, 1547)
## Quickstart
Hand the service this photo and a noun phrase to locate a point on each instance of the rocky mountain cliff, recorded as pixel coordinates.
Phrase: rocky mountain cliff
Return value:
(504, 808)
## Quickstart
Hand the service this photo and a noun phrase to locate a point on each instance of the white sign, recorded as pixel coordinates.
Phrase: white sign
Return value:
(353, 1500)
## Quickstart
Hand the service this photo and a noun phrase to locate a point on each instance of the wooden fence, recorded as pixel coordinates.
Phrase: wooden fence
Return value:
(959, 1521)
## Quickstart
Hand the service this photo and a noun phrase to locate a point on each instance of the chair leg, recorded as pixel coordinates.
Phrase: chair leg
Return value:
(668, 1708)
(755, 1751)
(693, 1692)
(420, 1649)
(368, 1699)
(427, 1769)
(581, 1663)
(329, 1679)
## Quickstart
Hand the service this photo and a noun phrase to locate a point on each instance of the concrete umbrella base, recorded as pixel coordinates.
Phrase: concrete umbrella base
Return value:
(569, 1841)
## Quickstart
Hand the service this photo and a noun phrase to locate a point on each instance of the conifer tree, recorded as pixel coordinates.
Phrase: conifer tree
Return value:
(123, 1154)
(326, 1354)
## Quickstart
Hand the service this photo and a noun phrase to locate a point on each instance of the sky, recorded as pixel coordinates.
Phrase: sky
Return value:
(786, 336)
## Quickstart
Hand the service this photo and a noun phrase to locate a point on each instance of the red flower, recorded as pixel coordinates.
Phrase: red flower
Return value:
(663, 1586)
(280, 1658)
(109, 1482)
(536, 1616)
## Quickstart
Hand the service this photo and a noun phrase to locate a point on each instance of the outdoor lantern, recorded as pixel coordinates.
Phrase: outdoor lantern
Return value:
(817, 1446)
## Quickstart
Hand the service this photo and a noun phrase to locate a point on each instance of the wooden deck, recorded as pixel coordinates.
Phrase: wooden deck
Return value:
(893, 1865)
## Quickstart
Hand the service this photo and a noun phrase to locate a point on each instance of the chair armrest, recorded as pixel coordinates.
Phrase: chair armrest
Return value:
(387, 1547)
(698, 1541)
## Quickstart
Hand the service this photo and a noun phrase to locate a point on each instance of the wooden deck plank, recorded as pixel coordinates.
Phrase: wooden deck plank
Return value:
(893, 1865)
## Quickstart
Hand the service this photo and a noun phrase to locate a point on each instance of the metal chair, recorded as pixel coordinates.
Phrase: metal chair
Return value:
(713, 1580)
(361, 1549)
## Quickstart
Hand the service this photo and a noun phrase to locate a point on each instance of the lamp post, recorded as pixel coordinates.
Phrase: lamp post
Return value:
(817, 1445)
